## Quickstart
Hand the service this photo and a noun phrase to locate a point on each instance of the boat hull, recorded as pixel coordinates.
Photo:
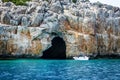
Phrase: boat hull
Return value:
(81, 58)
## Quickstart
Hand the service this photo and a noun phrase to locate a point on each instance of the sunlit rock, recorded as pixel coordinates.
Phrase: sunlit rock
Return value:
(84, 28)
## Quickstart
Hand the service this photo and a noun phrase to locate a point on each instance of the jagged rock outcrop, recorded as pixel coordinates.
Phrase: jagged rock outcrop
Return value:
(87, 28)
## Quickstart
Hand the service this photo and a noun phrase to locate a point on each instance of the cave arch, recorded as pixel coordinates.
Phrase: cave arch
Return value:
(57, 50)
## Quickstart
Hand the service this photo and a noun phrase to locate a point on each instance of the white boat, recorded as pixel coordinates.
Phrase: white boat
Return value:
(81, 58)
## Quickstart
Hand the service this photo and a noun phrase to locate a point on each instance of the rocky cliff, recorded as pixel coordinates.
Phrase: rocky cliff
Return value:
(87, 28)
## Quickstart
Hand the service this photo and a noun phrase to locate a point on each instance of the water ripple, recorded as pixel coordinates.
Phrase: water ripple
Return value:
(59, 70)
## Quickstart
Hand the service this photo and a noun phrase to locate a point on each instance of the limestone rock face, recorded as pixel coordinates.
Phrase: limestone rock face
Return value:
(37, 19)
(87, 28)
(56, 7)
(5, 18)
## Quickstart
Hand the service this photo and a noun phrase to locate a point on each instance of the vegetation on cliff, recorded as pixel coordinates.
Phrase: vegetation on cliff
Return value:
(22, 2)
(17, 2)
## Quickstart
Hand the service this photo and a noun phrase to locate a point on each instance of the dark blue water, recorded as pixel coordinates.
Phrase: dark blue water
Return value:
(59, 70)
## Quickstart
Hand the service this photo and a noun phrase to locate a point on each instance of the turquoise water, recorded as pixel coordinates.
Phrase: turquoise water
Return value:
(59, 70)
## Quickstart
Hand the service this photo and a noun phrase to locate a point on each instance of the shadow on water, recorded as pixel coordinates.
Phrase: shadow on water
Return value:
(57, 50)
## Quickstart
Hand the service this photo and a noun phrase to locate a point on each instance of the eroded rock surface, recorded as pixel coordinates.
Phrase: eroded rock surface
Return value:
(87, 28)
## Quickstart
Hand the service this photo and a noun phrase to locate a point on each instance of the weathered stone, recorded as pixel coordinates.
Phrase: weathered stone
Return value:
(5, 18)
(37, 19)
(56, 7)
(9, 4)
(31, 8)
(13, 22)
(87, 28)
(25, 21)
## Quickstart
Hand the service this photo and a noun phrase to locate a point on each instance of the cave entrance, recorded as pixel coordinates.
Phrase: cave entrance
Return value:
(57, 50)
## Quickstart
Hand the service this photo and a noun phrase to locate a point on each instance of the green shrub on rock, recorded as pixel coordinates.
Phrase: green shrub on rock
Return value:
(74, 1)
(17, 2)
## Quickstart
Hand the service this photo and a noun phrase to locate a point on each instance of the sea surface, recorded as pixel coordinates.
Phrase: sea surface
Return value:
(23, 69)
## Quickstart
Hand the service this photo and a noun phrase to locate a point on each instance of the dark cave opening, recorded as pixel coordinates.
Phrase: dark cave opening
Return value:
(57, 50)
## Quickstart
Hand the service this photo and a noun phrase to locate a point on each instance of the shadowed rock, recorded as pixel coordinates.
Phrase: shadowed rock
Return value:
(57, 50)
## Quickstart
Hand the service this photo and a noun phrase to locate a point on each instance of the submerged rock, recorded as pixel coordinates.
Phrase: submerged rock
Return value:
(85, 28)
